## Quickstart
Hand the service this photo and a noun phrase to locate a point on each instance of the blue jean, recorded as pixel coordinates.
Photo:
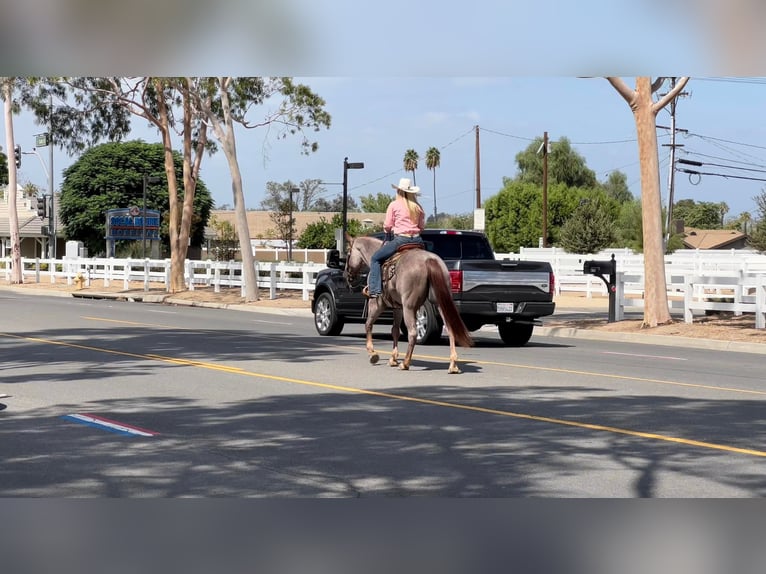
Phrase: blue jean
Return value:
(374, 280)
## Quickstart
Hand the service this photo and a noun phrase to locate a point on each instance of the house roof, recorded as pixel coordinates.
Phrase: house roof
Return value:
(260, 225)
(711, 238)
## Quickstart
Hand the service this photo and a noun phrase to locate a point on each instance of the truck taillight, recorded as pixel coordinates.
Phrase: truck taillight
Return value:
(456, 281)
(551, 282)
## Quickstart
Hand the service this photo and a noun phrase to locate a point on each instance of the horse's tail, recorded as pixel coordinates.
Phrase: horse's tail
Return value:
(446, 304)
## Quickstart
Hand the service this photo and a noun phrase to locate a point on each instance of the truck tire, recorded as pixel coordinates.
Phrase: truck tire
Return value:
(515, 334)
(326, 319)
(429, 325)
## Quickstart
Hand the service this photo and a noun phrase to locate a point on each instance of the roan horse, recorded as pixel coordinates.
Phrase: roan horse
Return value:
(417, 274)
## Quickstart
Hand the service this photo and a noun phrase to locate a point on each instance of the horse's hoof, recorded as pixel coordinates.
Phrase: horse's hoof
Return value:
(374, 358)
(454, 371)
(403, 367)
(393, 363)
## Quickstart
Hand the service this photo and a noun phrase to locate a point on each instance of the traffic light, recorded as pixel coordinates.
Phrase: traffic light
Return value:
(41, 206)
(17, 154)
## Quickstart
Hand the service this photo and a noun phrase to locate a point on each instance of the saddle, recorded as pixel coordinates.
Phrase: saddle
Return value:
(389, 265)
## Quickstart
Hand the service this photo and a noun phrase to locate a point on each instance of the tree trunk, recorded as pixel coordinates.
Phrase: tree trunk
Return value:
(656, 311)
(17, 275)
(177, 254)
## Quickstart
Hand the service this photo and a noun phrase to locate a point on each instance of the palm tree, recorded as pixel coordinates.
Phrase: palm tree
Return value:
(411, 158)
(433, 160)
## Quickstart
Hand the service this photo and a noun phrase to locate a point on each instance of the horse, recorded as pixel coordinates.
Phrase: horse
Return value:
(418, 273)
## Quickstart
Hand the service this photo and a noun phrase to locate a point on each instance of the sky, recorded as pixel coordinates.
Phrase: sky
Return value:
(416, 75)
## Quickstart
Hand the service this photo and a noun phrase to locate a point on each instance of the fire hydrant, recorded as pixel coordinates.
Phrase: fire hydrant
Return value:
(79, 280)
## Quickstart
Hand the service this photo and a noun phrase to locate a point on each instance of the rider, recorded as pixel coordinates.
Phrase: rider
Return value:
(404, 220)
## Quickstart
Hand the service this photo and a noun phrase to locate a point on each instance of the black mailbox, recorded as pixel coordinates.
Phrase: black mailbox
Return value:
(597, 268)
(601, 269)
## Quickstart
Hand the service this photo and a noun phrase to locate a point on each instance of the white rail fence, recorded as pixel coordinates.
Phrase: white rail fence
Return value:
(697, 280)
(216, 274)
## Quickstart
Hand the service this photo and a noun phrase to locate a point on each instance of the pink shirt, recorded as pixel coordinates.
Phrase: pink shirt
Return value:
(399, 221)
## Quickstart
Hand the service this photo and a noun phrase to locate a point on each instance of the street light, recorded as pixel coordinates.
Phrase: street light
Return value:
(147, 181)
(291, 191)
(347, 166)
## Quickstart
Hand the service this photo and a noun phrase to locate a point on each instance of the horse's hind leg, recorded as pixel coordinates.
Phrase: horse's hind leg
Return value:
(396, 331)
(453, 368)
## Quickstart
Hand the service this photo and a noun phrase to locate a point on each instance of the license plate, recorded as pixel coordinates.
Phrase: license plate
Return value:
(505, 307)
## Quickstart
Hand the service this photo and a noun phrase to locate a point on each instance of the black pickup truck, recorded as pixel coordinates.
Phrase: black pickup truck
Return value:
(508, 293)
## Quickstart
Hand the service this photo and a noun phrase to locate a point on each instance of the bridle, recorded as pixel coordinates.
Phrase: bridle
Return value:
(350, 274)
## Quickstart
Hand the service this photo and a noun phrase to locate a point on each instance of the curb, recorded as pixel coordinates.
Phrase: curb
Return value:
(541, 331)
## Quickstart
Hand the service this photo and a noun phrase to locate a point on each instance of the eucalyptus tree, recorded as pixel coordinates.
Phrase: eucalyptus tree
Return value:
(565, 165)
(645, 110)
(223, 102)
(411, 158)
(7, 88)
(433, 160)
(3, 168)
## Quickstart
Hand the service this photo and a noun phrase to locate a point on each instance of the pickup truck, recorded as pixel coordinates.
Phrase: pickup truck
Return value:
(508, 293)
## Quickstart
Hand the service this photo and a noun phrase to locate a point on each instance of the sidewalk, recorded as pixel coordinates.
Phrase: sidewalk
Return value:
(576, 316)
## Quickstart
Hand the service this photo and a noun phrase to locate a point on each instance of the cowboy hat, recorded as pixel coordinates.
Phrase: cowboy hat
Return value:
(404, 185)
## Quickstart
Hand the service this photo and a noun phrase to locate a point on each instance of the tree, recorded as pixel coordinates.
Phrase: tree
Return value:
(226, 101)
(757, 239)
(225, 243)
(433, 160)
(616, 187)
(590, 228)
(645, 110)
(167, 105)
(280, 204)
(411, 158)
(375, 203)
(7, 87)
(565, 165)
(321, 234)
(3, 168)
(335, 204)
(311, 189)
(110, 176)
(702, 214)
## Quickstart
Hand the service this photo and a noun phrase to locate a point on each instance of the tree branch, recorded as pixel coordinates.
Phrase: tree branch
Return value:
(622, 88)
(657, 83)
(667, 98)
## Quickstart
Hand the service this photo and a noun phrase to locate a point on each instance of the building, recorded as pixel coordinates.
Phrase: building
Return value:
(32, 229)
(714, 238)
(261, 226)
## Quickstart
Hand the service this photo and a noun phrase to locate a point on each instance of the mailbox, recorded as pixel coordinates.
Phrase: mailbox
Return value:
(601, 269)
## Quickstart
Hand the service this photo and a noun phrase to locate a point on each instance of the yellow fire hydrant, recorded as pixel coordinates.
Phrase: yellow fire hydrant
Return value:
(79, 280)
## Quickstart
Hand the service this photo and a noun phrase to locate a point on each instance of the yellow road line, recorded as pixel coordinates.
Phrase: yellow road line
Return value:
(502, 364)
(419, 400)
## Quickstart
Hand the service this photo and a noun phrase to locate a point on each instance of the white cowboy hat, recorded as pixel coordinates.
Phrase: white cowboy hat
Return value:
(404, 185)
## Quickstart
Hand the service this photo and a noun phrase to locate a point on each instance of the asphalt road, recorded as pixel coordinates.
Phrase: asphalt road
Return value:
(117, 399)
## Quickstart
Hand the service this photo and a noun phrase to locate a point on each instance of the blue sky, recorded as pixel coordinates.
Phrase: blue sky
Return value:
(419, 74)
(376, 119)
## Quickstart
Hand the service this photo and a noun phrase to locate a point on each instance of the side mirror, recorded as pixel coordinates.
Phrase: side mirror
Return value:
(333, 259)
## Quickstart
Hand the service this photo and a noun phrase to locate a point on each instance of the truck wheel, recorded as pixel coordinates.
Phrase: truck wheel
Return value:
(428, 324)
(326, 319)
(515, 334)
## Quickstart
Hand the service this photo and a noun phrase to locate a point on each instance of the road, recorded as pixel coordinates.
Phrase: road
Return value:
(118, 399)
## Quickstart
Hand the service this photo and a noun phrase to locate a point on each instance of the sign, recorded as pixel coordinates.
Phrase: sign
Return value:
(131, 223)
(41, 140)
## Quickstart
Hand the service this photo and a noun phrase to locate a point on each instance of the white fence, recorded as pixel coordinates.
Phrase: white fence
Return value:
(217, 274)
(697, 280)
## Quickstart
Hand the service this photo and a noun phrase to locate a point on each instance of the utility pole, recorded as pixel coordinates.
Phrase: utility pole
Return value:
(672, 171)
(478, 171)
(545, 189)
